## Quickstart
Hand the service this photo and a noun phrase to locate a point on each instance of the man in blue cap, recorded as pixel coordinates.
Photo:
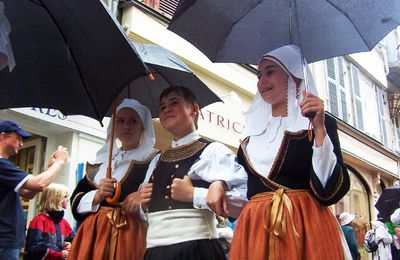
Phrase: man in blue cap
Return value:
(14, 183)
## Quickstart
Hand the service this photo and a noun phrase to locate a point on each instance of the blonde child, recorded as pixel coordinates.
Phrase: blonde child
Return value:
(49, 234)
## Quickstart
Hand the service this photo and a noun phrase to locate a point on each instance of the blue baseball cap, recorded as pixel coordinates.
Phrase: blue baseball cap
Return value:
(9, 126)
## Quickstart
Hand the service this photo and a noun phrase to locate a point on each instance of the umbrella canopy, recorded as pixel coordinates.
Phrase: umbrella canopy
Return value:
(388, 202)
(168, 70)
(70, 55)
(243, 30)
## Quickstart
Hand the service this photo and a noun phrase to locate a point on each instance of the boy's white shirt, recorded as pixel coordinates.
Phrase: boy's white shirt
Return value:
(215, 163)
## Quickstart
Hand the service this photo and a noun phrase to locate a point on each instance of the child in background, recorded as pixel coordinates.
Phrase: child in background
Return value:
(49, 234)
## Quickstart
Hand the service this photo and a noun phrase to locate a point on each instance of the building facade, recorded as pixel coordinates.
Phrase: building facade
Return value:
(355, 88)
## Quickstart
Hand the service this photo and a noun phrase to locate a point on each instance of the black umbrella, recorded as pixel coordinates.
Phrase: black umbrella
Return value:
(388, 202)
(168, 70)
(70, 55)
(241, 31)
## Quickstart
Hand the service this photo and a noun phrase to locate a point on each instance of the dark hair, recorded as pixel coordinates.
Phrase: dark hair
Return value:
(186, 94)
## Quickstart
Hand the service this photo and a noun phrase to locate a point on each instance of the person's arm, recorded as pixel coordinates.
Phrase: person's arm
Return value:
(39, 182)
(83, 187)
(324, 160)
(382, 235)
(338, 180)
(27, 194)
(146, 189)
(218, 166)
(395, 217)
(88, 195)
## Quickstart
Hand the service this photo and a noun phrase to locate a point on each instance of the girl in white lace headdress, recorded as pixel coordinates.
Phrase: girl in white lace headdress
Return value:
(294, 167)
(115, 231)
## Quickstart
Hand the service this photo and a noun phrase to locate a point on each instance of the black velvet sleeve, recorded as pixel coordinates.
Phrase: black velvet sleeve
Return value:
(84, 186)
(339, 182)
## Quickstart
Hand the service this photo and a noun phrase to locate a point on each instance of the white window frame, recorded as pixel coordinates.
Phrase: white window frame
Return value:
(356, 97)
(340, 83)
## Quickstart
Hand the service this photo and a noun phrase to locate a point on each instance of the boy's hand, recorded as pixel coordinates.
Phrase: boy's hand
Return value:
(145, 195)
(182, 189)
(216, 200)
(131, 204)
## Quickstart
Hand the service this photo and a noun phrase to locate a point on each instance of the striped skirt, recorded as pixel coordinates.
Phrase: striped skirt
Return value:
(286, 225)
(109, 234)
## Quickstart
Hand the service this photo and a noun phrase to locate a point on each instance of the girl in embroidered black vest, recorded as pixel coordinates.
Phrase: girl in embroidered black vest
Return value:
(292, 178)
(115, 231)
(181, 226)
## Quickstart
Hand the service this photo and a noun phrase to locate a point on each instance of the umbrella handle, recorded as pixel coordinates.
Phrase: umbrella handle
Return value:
(304, 65)
(117, 191)
(117, 195)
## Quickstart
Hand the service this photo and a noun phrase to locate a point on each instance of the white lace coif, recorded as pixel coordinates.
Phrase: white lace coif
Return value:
(148, 138)
(260, 112)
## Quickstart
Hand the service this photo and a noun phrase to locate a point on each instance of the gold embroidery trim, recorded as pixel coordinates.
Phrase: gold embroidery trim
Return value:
(287, 137)
(92, 169)
(335, 191)
(75, 198)
(182, 152)
(278, 162)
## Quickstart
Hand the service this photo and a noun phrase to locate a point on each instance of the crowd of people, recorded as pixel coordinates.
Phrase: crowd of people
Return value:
(288, 170)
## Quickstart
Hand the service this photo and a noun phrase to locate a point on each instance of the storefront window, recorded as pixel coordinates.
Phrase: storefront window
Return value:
(356, 202)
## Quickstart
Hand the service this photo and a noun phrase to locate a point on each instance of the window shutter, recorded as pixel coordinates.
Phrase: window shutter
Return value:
(344, 106)
(333, 100)
(330, 66)
(360, 123)
(383, 134)
(168, 7)
(341, 73)
(355, 81)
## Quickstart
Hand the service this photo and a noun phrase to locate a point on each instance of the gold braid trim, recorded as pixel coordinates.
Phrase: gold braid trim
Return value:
(80, 194)
(278, 162)
(182, 152)
(277, 165)
(331, 195)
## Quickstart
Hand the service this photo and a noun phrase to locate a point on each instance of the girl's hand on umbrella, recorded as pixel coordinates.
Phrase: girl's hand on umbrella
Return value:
(313, 104)
(216, 199)
(131, 204)
(182, 189)
(145, 195)
(105, 190)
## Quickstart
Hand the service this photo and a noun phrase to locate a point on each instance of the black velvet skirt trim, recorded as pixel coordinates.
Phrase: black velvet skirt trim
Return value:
(203, 249)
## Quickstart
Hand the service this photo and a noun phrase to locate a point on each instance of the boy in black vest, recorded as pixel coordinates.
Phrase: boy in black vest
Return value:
(182, 178)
